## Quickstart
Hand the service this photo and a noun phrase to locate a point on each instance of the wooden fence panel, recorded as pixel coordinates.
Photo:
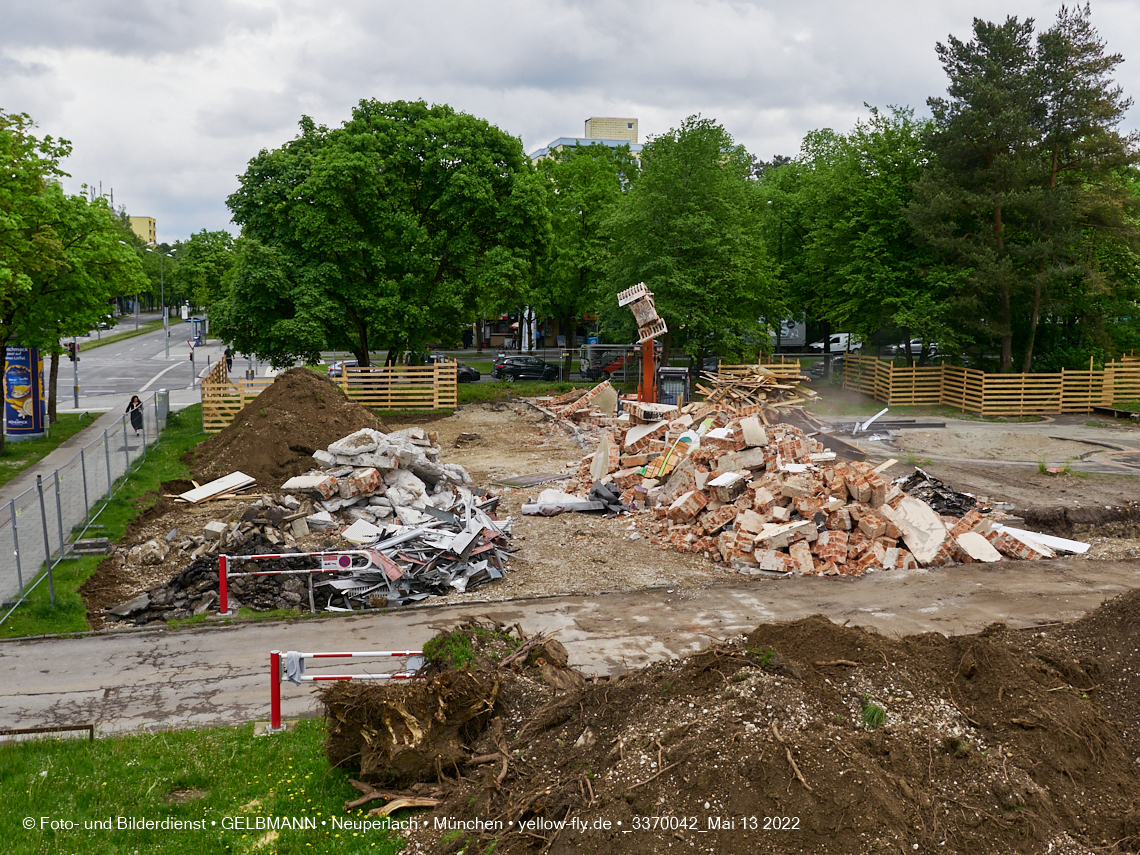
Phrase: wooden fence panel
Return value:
(401, 387)
(917, 385)
(970, 390)
(221, 399)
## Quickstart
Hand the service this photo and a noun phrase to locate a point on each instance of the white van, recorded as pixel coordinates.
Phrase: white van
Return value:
(840, 343)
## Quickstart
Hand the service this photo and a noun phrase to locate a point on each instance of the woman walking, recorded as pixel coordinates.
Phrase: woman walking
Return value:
(135, 409)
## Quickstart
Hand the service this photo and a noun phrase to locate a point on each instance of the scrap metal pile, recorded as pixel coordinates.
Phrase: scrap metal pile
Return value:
(462, 547)
(770, 499)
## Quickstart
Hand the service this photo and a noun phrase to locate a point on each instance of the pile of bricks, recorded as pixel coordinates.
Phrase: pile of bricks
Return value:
(596, 406)
(769, 499)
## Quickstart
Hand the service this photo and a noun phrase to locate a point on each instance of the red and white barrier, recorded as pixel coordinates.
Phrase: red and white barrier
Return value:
(331, 562)
(275, 674)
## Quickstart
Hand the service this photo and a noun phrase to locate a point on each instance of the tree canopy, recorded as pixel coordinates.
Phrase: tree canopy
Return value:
(835, 222)
(381, 233)
(690, 228)
(1028, 167)
(203, 268)
(585, 184)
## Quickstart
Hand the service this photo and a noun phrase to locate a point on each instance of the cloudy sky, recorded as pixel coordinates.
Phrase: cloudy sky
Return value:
(166, 101)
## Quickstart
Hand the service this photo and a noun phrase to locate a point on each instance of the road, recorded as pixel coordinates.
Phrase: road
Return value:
(157, 679)
(131, 366)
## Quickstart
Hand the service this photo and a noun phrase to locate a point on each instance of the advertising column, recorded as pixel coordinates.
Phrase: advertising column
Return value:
(24, 403)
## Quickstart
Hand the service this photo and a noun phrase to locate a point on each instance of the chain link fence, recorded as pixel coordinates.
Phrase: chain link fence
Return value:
(39, 527)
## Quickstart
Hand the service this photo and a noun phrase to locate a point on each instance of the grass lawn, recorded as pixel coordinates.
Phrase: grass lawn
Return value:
(18, 456)
(82, 797)
(111, 338)
(37, 615)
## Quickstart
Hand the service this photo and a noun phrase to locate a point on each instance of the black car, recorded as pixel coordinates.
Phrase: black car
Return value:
(463, 373)
(816, 369)
(512, 368)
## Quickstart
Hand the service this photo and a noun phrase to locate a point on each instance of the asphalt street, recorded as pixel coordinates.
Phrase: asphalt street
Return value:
(160, 679)
(133, 366)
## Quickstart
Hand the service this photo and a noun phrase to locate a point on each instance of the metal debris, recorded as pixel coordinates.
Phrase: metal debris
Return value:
(462, 547)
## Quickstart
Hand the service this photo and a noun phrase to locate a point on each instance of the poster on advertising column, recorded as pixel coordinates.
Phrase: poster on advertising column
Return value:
(24, 393)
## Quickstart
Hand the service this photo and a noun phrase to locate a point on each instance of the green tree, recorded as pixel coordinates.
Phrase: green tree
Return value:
(69, 299)
(382, 233)
(60, 256)
(584, 185)
(1026, 163)
(690, 229)
(203, 268)
(836, 223)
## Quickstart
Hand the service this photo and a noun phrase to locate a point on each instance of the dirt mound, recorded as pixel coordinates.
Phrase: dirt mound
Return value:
(274, 436)
(1104, 644)
(816, 737)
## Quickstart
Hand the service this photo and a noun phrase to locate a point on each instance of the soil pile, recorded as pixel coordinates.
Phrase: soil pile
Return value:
(410, 732)
(813, 737)
(273, 438)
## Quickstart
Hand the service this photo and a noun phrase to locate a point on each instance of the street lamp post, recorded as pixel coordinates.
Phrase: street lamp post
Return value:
(162, 301)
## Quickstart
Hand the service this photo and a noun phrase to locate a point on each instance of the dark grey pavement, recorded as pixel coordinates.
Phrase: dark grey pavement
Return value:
(157, 679)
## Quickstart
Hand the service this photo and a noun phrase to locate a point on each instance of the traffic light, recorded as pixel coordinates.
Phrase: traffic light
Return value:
(72, 351)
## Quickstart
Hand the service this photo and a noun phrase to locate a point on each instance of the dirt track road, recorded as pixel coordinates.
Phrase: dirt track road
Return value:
(156, 679)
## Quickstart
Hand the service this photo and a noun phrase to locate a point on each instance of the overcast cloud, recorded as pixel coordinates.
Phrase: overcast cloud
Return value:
(165, 102)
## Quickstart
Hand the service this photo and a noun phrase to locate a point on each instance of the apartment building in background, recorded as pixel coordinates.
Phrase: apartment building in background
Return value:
(144, 228)
(600, 130)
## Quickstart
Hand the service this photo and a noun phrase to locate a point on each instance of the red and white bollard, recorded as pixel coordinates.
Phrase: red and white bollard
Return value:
(223, 587)
(275, 692)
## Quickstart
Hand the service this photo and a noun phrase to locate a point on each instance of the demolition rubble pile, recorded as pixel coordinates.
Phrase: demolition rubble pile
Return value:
(422, 528)
(768, 499)
(372, 476)
(417, 526)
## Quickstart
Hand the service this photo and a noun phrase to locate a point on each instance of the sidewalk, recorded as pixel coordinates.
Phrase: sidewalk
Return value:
(108, 413)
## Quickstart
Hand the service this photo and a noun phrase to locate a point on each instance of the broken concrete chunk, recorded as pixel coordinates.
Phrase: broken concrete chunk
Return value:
(138, 604)
(214, 530)
(781, 536)
(922, 529)
(727, 486)
(977, 547)
(361, 531)
(322, 485)
(751, 459)
(800, 553)
(377, 460)
(753, 432)
(362, 441)
(324, 459)
(321, 520)
(796, 487)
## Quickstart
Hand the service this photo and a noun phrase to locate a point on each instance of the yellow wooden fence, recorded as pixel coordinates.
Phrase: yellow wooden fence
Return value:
(398, 387)
(975, 391)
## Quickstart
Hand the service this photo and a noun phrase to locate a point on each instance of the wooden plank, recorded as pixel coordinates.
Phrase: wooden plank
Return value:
(226, 484)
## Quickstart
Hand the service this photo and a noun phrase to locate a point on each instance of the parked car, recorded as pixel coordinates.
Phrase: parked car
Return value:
(512, 368)
(464, 373)
(816, 369)
(839, 342)
(336, 368)
(915, 348)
